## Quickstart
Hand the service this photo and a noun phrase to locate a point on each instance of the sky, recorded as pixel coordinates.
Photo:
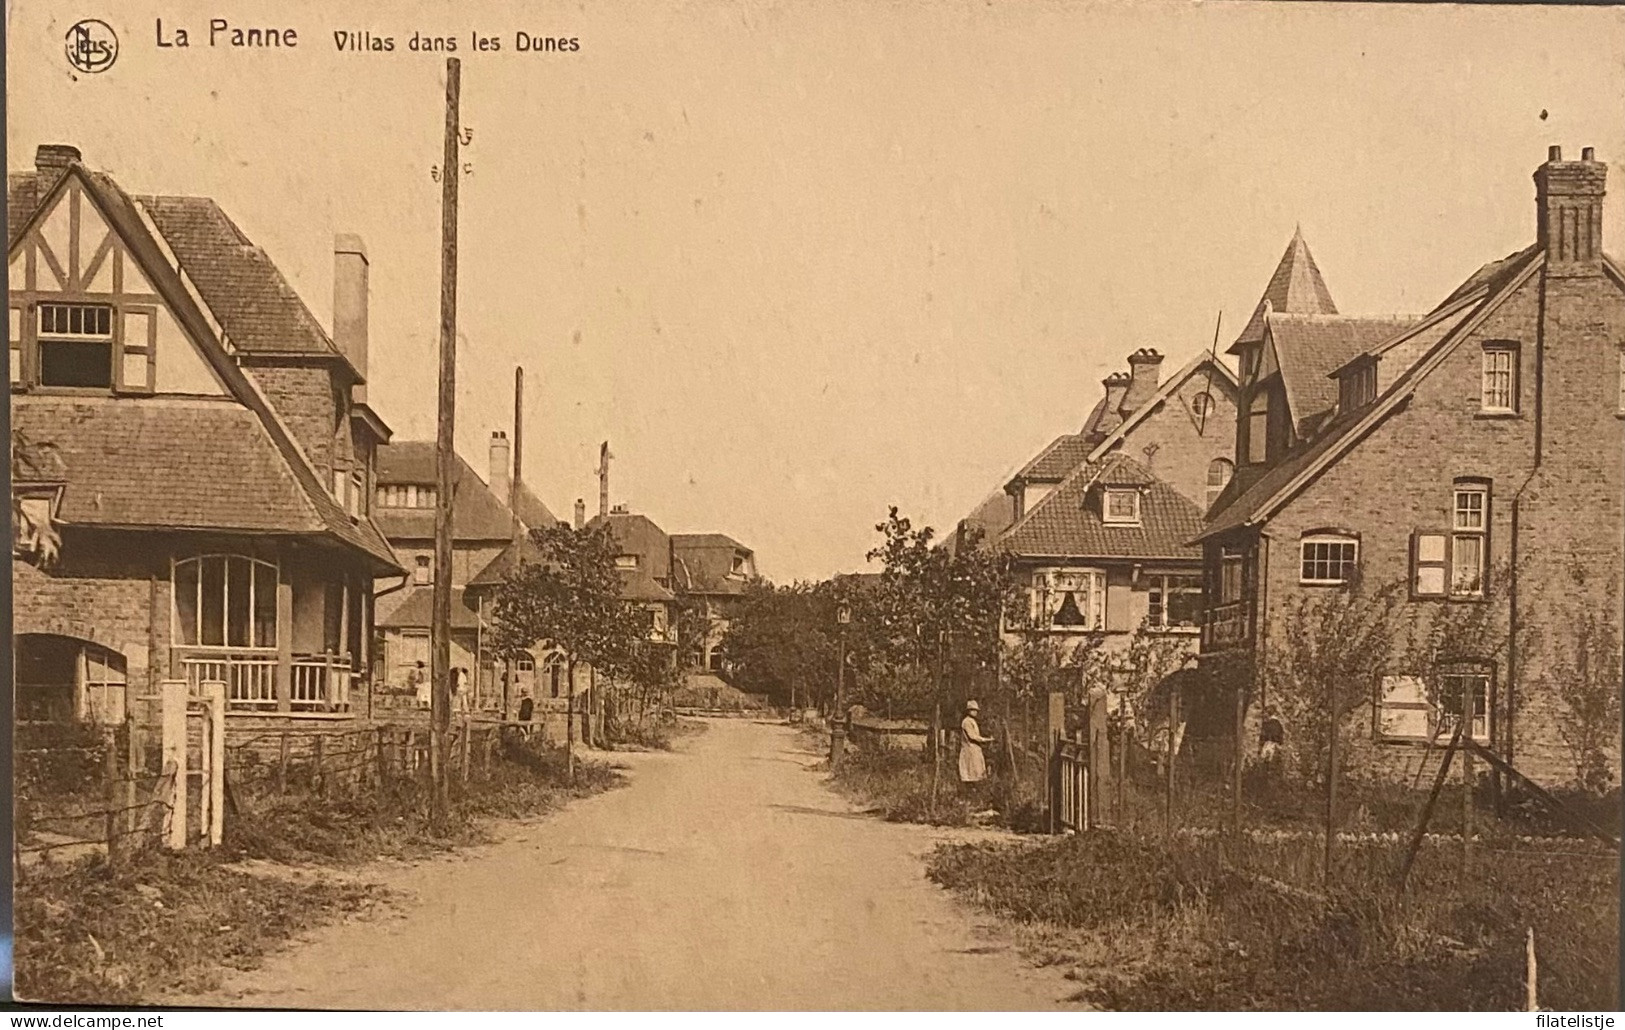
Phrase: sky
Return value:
(801, 262)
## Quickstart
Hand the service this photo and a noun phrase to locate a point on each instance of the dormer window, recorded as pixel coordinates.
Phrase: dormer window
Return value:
(1357, 386)
(1500, 378)
(1121, 506)
(739, 565)
(408, 495)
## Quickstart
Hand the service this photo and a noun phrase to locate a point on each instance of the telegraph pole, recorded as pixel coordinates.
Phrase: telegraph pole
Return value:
(509, 668)
(445, 458)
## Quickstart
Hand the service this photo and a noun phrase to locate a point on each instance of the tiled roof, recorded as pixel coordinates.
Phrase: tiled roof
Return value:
(1068, 523)
(123, 466)
(120, 210)
(24, 191)
(1247, 499)
(1310, 347)
(1296, 288)
(476, 512)
(532, 512)
(705, 563)
(1054, 462)
(416, 610)
(507, 560)
(254, 305)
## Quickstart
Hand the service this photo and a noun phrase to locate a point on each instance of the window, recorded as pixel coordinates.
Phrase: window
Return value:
(1457, 686)
(1621, 381)
(1249, 362)
(1428, 565)
(422, 566)
(105, 680)
(1258, 428)
(339, 482)
(357, 494)
(1230, 575)
(1219, 471)
(1121, 506)
(1328, 559)
(225, 601)
(1357, 386)
(555, 675)
(1403, 712)
(1175, 601)
(1469, 525)
(739, 565)
(525, 663)
(1500, 394)
(76, 345)
(1069, 600)
(407, 495)
(626, 561)
(1202, 404)
(136, 362)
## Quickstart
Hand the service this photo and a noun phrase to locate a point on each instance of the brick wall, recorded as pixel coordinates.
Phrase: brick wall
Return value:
(309, 401)
(1183, 447)
(1401, 479)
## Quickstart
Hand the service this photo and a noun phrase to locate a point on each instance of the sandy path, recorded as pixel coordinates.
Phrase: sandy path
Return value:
(725, 876)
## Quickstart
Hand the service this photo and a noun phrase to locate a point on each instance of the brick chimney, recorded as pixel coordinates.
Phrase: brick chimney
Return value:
(501, 465)
(1568, 209)
(54, 158)
(350, 305)
(581, 512)
(1144, 373)
(1110, 418)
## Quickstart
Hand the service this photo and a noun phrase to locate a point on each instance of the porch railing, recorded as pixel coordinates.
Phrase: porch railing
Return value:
(317, 683)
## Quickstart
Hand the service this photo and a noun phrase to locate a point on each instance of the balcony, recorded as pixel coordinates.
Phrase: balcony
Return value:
(1228, 625)
(316, 682)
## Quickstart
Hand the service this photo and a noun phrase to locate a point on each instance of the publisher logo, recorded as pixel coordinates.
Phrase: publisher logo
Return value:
(92, 45)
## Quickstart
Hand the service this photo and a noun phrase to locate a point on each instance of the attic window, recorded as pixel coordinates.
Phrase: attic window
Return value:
(1500, 386)
(626, 561)
(739, 565)
(1357, 386)
(1201, 404)
(76, 345)
(1121, 506)
(408, 495)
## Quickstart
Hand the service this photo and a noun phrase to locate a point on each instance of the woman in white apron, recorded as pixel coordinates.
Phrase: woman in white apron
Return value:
(972, 763)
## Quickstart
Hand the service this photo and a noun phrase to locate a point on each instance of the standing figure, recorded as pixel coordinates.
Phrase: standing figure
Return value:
(972, 763)
(418, 680)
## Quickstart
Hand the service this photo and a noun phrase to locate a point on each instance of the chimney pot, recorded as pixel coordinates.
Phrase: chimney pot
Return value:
(54, 157)
(1568, 213)
(581, 512)
(1588, 154)
(1554, 153)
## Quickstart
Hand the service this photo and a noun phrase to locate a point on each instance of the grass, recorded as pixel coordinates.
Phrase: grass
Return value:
(169, 922)
(1154, 925)
(897, 782)
(524, 780)
(659, 735)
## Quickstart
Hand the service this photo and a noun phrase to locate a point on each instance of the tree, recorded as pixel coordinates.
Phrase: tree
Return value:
(780, 641)
(569, 600)
(1583, 673)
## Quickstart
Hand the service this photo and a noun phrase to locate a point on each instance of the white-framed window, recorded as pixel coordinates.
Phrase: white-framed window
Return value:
(405, 495)
(626, 561)
(1174, 601)
(1469, 528)
(1404, 711)
(105, 678)
(1219, 471)
(225, 600)
(1121, 506)
(1500, 377)
(1430, 566)
(76, 345)
(1328, 559)
(1069, 600)
(525, 663)
(1202, 404)
(422, 569)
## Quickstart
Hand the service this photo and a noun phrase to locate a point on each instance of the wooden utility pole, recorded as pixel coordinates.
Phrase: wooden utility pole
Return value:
(445, 459)
(1331, 781)
(508, 665)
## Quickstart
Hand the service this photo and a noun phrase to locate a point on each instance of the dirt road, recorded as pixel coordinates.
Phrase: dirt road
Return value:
(725, 876)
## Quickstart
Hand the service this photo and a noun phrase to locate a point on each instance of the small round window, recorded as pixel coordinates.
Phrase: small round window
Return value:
(1202, 404)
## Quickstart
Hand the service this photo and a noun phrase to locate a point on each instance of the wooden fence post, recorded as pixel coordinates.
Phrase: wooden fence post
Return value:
(1054, 732)
(216, 784)
(382, 757)
(134, 766)
(464, 744)
(172, 698)
(1168, 785)
(112, 793)
(1531, 994)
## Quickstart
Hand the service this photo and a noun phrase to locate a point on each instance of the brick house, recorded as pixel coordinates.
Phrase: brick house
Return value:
(206, 450)
(710, 571)
(1471, 457)
(1107, 552)
(645, 566)
(1180, 429)
(490, 520)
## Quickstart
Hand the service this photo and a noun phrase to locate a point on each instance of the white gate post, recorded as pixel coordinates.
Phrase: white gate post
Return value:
(215, 806)
(172, 698)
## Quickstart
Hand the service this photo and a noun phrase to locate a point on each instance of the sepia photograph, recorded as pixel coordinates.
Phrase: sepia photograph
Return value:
(870, 506)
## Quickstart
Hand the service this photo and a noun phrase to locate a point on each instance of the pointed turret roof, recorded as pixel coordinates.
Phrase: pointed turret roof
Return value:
(1296, 288)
